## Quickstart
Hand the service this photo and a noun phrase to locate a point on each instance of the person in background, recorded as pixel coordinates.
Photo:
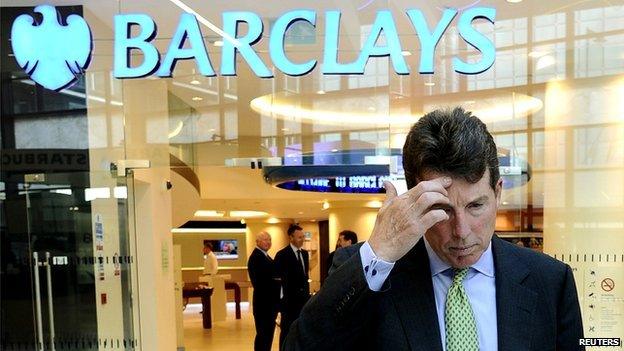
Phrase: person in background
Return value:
(292, 264)
(266, 293)
(346, 238)
(433, 275)
(210, 260)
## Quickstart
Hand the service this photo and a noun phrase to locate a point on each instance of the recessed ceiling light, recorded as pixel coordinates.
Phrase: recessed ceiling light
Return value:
(195, 82)
(334, 150)
(375, 204)
(218, 43)
(273, 220)
(429, 84)
(514, 1)
(300, 212)
(321, 92)
(284, 129)
(325, 205)
(243, 221)
(242, 214)
(406, 53)
(197, 98)
(209, 213)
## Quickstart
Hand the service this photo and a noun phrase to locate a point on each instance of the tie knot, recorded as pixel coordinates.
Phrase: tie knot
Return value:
(460, 274)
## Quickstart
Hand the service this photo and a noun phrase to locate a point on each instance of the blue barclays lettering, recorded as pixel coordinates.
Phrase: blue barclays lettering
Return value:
(188, 29)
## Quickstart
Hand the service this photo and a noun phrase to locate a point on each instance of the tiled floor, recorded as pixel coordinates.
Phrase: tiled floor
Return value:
(230, 335)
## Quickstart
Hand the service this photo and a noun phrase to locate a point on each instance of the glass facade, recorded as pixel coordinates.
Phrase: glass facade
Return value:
(553, 101)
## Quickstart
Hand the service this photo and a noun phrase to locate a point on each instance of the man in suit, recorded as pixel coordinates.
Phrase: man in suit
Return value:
(266, 292)
(433, 276)
(292, 264)
(346, 238)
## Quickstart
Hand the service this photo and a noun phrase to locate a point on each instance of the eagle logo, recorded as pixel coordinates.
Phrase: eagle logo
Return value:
(53, 54)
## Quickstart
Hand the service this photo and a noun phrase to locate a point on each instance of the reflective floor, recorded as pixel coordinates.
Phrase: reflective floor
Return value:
(232, 334)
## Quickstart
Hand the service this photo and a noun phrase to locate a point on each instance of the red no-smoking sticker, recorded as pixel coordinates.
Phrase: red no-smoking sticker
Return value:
(607, 284)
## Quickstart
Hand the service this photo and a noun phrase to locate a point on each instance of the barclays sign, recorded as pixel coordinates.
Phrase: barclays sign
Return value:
(54, 55)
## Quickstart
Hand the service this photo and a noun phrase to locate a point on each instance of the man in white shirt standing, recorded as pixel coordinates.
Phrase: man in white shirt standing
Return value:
(433, 276)
(211, 265)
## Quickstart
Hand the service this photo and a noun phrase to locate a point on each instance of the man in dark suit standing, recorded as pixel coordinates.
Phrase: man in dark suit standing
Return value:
(433, 276)
(266, 292)
(292, 265)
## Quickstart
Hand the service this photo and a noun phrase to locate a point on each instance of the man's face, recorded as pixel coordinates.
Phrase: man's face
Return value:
(297, 238)
(264, 242)
(461, 240)
(342, 242)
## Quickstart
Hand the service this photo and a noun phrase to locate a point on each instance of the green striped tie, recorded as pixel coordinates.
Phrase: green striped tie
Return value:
(461, 329)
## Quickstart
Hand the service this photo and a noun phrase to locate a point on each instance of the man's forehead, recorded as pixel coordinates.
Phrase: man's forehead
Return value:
(460, 187)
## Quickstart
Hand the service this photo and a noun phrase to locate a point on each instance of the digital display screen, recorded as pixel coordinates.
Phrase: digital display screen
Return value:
(224, 249)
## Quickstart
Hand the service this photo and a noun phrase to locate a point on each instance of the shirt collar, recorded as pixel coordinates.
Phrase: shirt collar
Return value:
(485, 264)
(294, 248)
(264, 252)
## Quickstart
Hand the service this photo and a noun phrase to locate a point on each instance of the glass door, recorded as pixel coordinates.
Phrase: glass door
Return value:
(66, 264)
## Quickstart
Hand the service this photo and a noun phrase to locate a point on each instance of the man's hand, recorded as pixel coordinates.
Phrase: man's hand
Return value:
(402, 220)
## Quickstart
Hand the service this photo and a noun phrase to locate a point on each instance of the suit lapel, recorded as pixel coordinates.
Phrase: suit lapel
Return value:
(515, 304)
(412, 293)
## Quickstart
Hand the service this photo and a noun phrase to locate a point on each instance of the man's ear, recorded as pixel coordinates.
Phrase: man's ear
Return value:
(498, 189)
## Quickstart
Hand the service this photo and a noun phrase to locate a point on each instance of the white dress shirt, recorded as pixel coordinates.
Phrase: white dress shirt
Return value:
(211, 265)
(479, 285)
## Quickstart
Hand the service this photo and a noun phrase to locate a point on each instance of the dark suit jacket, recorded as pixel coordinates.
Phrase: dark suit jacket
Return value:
(294, 281)
(341, 256)
(536, 303)
(264, 280)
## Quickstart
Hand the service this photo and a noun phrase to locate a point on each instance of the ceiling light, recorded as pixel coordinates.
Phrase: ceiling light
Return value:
(334, 150)
(321, 92)
(490, 108)
(514, 1)
(429, 84)
(372, 108)
(197, 98)
(195, 82)
(242, 214)
(209, 213)
(374, 204)
(544, 61)
(208, 230)
(505, 203)
(300, 212)
(218, 43)
(273, 220)
(406, 53)
(284, 129)
(242, 221)
(325, 205)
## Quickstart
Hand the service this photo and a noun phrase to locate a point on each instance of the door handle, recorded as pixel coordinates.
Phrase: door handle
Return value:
(48, 266)
(38, 302)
